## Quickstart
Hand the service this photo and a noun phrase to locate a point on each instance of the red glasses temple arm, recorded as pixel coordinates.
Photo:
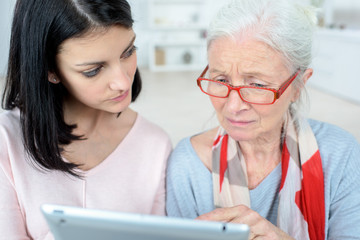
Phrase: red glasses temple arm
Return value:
(286, 84)
(205, 70)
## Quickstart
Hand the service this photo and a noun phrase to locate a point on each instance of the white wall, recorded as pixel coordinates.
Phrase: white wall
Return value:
(141, 26)
(6, 12)
(336, 63)
(140, 15)
(346, 13)
(145, 34)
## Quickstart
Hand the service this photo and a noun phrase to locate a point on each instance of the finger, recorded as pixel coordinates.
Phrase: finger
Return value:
(224, 214)
(248, 217)
(251, 235)
(260, 227)
(259, 237)
(219, 214)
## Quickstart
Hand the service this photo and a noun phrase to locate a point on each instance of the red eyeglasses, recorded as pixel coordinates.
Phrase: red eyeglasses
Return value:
(249, 94)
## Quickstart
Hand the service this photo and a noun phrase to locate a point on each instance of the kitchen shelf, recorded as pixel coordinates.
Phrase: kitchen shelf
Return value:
(178, 40)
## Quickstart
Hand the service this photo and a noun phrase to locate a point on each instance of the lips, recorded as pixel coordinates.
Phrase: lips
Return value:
(240, 123)
(120, 97)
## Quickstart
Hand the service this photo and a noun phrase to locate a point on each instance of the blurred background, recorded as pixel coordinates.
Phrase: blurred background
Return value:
(171, 41)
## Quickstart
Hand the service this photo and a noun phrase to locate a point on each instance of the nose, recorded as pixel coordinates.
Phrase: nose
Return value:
(119, 79)
(235, 103)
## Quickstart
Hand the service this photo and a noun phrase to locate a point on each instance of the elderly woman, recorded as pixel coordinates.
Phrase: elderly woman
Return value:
(266, 166)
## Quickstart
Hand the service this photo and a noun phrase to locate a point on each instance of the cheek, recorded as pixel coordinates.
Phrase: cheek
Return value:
(267, 116)
(218, 104)
(86, 92)
(82, 89)
(132, 66)
(272, 115)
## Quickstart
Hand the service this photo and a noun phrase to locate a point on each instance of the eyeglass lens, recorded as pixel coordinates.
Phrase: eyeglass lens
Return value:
(252, 95)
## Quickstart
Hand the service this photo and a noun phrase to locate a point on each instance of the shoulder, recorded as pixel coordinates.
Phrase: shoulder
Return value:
(340, 156)
(197, 146)
(149, 130)
(10, 125)
(149, 139)
(332, 139)
(202, 144)
(183, 154)
(9, 118)
(191, 153)
(188, 183)
(185, 167)
(183, 158)
(10, 138)
(339, 150)
(204, 140)
(323, 130)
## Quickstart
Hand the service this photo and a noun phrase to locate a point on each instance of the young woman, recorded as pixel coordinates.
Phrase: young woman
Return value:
(68, 135)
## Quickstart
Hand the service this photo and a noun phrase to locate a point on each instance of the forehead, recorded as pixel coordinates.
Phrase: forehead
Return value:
(100, 40)
(248, 55)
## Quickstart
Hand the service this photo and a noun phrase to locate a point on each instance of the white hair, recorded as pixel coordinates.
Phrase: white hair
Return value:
(284, 25)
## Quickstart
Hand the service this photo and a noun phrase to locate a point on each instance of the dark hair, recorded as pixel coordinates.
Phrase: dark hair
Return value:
(39, 27)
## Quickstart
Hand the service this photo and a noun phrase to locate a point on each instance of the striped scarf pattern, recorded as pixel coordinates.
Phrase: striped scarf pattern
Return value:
(301, 210)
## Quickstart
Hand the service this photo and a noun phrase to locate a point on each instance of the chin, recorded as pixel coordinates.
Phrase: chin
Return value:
(241, 135)
(119, 110)
(241, 138)
(120, 107)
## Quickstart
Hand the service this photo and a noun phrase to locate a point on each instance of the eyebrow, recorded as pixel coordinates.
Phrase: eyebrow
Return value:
(216, 71)
(102, 62)
(250, 73)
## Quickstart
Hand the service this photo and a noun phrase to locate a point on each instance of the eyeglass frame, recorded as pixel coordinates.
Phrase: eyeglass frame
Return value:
(277, 92)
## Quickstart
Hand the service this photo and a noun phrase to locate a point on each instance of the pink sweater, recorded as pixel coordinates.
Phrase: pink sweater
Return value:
(131, 179)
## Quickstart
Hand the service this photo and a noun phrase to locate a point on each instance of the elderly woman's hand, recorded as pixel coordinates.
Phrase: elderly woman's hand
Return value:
(260, 228)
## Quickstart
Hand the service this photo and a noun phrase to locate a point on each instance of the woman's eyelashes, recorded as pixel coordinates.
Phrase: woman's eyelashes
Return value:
(259, 85)
(93, 72)
(221, 79)
(256, 82)
(129, 52)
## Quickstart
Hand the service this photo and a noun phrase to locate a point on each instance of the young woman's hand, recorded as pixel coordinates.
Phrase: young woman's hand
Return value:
(260, 228)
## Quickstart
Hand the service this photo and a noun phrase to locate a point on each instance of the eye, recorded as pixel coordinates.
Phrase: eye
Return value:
(255, 82)
(129, 52)
(221, 80)
(259, 85)
(93, 72)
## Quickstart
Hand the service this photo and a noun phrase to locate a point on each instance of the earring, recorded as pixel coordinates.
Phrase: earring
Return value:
(54, 80)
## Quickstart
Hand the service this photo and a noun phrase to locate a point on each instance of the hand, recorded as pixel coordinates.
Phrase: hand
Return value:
(260, 228)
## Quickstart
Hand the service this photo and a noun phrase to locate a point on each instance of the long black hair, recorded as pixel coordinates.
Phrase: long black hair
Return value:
(39, 28)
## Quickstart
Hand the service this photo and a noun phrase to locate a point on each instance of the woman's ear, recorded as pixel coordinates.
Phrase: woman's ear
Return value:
(53, 78)
(307, 74)
(305, 77)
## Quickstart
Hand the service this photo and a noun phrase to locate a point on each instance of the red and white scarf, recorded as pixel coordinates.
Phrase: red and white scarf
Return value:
(301, 211)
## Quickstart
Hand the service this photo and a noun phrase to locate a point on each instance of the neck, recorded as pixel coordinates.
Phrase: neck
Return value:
(87, 120)
(261, 157)
(260, 150)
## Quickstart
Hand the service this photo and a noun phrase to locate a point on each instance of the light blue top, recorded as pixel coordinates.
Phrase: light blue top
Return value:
(190, 190)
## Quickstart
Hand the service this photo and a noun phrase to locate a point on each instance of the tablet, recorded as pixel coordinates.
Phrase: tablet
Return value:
(75, 223)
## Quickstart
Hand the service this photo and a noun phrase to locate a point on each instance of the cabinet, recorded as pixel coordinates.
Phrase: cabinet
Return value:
(336, 49)
(339, 13)
(178, 34)
(336, 63)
